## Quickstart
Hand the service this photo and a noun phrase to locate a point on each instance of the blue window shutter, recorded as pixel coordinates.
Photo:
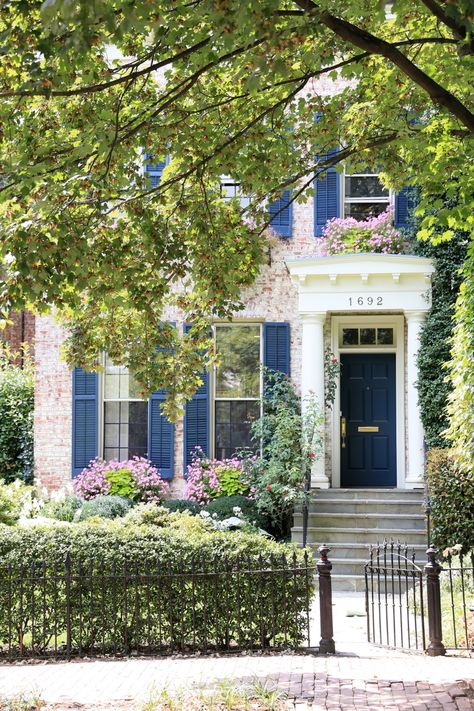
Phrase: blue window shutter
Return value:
(404, 204)
(326, 196)
(276, 346)
(196, 419)
(160, 436)
(84, 419)
(281, 214)
(154, 171)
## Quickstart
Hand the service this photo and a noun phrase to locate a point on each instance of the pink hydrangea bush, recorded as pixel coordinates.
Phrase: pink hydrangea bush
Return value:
(347, 235)
(208, 479)
(139, 479)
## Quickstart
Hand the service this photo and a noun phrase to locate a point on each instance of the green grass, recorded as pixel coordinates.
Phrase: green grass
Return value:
(452, 615)
(21, 702)
(226, 696)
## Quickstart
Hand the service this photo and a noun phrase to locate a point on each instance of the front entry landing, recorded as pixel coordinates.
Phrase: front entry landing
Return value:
(368, 420)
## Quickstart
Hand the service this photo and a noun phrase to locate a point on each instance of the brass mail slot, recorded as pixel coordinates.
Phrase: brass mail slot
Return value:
(367, 429)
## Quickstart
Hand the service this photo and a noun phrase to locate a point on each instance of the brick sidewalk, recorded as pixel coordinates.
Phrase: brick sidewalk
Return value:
(370, 680)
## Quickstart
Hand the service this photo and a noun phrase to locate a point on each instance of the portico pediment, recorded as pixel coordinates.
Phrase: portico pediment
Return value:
(360, 282)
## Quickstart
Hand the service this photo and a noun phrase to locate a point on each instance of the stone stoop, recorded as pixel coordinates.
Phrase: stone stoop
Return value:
(350, 520)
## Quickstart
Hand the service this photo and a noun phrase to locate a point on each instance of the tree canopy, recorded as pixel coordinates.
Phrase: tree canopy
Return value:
(88, 91)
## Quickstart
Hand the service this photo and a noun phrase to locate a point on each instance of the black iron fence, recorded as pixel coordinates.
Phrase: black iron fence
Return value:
(424, 607)
(91, 608)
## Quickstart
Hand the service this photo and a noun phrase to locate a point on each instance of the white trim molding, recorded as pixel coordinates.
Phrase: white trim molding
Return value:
(374, 290)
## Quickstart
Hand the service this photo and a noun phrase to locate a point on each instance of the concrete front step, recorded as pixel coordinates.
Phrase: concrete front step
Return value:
(357, 535)
(360, 551)
(359, 506)
(374, 493)
(338, 520)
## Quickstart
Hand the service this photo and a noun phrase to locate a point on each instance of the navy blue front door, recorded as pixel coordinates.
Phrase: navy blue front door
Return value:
(368, 449)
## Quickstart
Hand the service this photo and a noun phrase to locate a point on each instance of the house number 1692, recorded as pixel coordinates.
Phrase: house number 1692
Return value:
(366, 301)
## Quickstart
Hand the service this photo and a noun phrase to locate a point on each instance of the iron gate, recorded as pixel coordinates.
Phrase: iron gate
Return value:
(428, 608)
(395, 597)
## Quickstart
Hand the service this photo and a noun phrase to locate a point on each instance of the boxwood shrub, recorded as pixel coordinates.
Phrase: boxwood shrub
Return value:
(452, 501)
(182, 505)
(224, 506)
(130, 587)
(105, 507)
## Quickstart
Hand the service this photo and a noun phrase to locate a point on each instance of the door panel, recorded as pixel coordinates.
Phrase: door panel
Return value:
(368, 401)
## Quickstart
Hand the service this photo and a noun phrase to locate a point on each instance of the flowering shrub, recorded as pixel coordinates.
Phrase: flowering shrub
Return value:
(210, 478)
(376, 234)
(136, 479)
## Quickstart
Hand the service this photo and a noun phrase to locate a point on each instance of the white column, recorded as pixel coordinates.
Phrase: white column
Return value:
(312, 379)
(415, 434)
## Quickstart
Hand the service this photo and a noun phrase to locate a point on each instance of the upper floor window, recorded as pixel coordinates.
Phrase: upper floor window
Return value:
(232, 189)
(364, 196)
(237, 386)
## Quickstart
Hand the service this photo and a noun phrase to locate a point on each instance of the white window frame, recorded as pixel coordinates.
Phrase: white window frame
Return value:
(387, 200)
(103, 400)
(213, 382)
(226, 181)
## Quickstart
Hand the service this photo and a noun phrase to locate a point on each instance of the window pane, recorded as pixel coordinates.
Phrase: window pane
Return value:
(238, 374)
(350, 336)
(363, 210)
(125, 429)
(367, 336)
(233, 422)
(385, 336)
(119, 383)
(358, 186)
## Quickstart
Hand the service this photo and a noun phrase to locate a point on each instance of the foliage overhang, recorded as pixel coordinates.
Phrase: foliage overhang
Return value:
(215, 84)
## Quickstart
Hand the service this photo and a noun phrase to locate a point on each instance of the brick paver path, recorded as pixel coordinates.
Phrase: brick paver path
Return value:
(360, 677)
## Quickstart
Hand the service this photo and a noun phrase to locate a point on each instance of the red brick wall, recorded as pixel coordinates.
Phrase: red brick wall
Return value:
(21, 330)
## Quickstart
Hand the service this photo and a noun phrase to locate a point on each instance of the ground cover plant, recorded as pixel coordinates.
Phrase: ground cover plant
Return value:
(226, 696)
(152, 580)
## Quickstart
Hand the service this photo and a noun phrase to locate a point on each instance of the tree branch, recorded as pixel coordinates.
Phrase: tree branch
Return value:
(374, 45)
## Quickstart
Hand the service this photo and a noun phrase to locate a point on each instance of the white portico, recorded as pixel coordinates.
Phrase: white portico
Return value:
(374, 306)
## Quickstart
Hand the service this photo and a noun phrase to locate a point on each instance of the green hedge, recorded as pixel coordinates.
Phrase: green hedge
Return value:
(16, 418)
(452, 501)
(433, 385)
(115, 605)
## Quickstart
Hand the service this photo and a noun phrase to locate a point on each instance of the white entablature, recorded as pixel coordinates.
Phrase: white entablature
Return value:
(360, 282)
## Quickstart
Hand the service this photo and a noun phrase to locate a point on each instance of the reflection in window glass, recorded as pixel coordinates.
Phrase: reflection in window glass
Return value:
(238, 372)
(119, 383)
(238, 383)
(125, 429)
(350, 336)
(367, 336)
(233, 423)
(363, 210)
(364, 186)
(385, 336)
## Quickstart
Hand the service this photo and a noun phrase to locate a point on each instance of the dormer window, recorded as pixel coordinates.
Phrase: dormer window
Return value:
(364, 196)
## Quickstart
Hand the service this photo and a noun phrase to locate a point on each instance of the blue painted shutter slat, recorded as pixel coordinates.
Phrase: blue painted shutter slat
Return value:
(160, 435)
(84, 419)
(281, 214)
(196, 419)
(154, 171)
(404, 204)
(276, 346)
(326, 196)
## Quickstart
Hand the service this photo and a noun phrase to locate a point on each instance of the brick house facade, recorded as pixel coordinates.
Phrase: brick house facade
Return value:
(367, 309)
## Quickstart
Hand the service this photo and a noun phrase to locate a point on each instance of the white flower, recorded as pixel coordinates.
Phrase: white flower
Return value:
(237, 510)
(204, 514)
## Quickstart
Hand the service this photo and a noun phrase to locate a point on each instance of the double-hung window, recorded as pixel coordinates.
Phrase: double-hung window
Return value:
(232, 189)
(364, 195)
(125, 415)
(237, 386)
